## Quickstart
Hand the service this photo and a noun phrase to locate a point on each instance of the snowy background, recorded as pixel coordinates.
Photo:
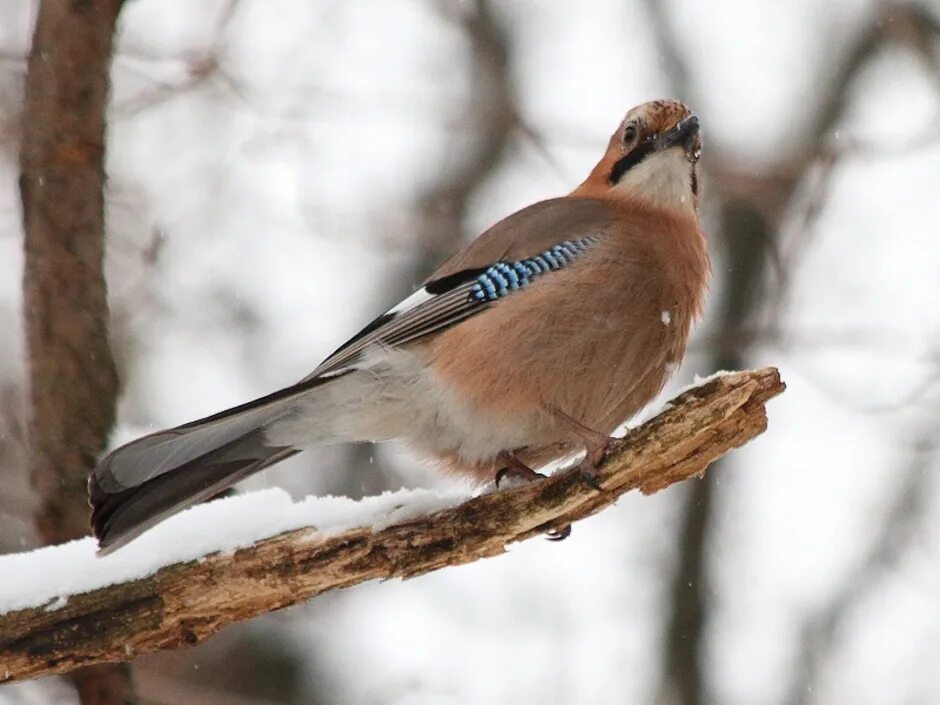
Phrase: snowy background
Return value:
(280, 173)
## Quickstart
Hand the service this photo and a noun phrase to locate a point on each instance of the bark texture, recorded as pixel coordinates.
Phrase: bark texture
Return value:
(73, 383)
(186, 603)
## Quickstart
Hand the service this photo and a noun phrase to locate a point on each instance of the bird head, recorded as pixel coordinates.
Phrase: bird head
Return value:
(652, 157)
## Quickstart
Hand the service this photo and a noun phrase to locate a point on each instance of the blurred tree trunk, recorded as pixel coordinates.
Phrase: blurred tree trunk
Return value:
(747, 237)
(73, 383)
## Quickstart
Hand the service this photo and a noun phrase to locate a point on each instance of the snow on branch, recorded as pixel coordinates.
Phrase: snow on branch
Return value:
(63, 608)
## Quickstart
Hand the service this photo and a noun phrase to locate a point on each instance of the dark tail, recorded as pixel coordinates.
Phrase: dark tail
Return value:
(141, 483)
(119, 516)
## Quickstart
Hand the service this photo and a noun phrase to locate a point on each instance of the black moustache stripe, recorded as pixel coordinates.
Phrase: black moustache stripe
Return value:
(628, 161)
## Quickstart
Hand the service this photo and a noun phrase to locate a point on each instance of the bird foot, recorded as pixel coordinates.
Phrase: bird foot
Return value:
(595, 444)
(589, 475)
(518, 473)
(516, 476)
(559, 534)
(593, 458)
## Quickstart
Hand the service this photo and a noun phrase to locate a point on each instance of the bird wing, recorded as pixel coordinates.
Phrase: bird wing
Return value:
(140, 483)
(519, 249)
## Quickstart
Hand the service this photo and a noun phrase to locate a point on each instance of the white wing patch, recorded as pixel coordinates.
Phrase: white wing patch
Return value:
(413, 301)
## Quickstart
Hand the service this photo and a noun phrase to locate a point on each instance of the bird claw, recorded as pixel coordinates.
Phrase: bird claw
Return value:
(558, 534)
(520, 475)
(596, 445)
(589, 475)
(523, 474)
(588, 466)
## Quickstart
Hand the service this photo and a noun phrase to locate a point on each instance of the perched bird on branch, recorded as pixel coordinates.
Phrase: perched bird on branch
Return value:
(534, 342)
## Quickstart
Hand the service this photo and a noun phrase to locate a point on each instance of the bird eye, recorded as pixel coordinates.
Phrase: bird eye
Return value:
(629, 134)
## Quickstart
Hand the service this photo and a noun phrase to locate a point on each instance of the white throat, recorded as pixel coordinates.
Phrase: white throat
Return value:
(662, 179)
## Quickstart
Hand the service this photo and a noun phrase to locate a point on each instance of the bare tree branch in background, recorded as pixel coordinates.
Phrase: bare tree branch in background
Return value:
(185, 603)
(200, 69)
(750, 210)
(73, 384)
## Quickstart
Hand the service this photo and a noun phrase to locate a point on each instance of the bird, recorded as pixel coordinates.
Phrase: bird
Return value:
(531, 344)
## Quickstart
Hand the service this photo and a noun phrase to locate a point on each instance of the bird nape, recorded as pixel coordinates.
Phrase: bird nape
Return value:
(534, 342)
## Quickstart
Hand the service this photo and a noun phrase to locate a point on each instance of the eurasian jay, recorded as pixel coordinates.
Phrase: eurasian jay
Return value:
(535, 341)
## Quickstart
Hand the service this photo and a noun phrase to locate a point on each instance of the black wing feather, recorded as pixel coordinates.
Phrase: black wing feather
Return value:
(440, 311)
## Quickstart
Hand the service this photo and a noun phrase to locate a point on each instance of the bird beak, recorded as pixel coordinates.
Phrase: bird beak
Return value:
(686, 135)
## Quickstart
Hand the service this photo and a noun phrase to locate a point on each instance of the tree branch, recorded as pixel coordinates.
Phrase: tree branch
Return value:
(185, 603)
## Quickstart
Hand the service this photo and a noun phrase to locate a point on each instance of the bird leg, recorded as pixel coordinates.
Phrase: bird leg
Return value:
(595, 446)
(518, 470)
